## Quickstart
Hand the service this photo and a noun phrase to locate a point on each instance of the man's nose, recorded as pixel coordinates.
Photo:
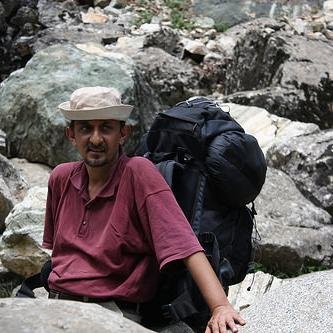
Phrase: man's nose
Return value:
(96, 137)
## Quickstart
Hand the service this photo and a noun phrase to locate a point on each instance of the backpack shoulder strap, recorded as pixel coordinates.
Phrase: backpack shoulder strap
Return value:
(166, 168)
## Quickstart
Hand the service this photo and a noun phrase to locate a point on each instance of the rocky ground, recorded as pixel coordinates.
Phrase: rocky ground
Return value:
(271, 66)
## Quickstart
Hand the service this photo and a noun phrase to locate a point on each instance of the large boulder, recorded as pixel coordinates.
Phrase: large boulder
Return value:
(172, 79)
(232, 12)
(303, 304)
(35, 315)
(294, 233)
(12, 188)
(20, 245)
(308, 160)
(288, 74)
(266, 127)
(243, 294)
(29, 115)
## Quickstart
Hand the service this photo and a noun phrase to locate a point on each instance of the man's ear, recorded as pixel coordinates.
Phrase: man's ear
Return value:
(70, 135)
(125, 132)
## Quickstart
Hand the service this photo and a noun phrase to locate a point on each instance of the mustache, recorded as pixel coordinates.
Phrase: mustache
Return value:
(99, 148)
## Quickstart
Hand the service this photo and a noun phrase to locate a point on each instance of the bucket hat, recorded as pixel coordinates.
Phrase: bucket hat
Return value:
(90, 103)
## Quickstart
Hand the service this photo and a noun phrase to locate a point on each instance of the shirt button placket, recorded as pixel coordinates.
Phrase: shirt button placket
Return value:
(84, 225)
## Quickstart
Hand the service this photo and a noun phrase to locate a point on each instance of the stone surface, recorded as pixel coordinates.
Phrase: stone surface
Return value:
(267, 128)
(94, 15)
(171, 79)
(234, 12)
(259, 284)
(12, 189)
(308, 160)
(303, 304)
(288, 75)
(34, 126)
(34, 315)
(20, 245)
(294, 232)
(35, 174)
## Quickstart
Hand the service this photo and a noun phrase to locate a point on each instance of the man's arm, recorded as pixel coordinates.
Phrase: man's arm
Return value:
(223, 314)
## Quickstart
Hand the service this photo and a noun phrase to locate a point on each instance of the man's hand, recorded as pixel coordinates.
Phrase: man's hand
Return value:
(224, 317)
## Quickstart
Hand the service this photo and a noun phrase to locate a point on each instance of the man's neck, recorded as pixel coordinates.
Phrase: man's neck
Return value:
(98, 177)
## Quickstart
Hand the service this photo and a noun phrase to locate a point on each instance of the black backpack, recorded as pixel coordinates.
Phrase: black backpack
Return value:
(214, 170)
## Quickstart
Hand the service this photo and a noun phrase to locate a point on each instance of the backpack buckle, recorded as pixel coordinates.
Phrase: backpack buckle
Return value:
(169, 312)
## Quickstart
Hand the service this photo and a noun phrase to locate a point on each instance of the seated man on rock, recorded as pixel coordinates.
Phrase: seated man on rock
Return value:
(113, 223)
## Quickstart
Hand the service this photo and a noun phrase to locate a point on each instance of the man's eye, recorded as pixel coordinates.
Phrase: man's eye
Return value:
(107, 127)
(84, 129)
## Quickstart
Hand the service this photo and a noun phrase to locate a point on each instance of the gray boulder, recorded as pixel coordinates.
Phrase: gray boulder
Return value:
(243, 294)
(267, 128)
(29, 115)
(303, 304)
(234, 12)
(287, 74)
(294, 233)
(172, 79)
(20, 245)
(308, 160)
(12, 189)
(19, 315)
(35, 174)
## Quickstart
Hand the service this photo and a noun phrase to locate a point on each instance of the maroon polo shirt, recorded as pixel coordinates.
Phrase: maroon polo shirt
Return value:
(114, 244)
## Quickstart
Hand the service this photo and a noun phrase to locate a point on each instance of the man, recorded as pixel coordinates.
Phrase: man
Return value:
(112, 222)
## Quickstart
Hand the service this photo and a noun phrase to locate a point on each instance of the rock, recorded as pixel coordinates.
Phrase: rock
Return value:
(234, 12)
(35, 174)
(20, 245)
(204, 22)
(293, 307)
(34, 126)
(94, 15)
(328, 10)
(12, 189)
(8, 281)
(101, 3)
(194, 49)
(148, 28)
(259, 283)
(267, 128)
(294, 232)
(3, 145)
(328, 34)
(171, 79)
(129, 45)
(308, 160)
(165, 38)
(33, 315)
(287, 74)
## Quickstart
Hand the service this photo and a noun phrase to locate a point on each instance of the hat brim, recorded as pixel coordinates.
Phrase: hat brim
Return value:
(117, 112)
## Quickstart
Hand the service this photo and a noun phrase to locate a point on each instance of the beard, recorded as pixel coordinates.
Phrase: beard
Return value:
(97, 156)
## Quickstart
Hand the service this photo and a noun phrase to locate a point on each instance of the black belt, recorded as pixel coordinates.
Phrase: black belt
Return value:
(122, 304)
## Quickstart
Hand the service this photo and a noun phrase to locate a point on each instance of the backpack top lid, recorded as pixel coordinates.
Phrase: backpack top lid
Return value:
(190, 126)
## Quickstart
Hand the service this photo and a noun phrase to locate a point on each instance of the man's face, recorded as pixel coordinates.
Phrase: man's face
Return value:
(97, 140)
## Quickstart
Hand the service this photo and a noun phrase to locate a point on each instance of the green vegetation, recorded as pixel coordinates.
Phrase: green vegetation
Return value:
(180, 16)
(179, 12)
(221, 26)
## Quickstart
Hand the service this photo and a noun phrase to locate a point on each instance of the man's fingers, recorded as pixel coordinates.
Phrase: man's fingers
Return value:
(222, 328)
(232, 326)
(240, 320)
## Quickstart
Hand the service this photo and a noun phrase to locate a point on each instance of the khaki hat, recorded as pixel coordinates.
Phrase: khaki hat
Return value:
(90, 103)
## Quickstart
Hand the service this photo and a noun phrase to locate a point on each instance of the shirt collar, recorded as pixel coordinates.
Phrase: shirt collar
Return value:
(79, 179)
